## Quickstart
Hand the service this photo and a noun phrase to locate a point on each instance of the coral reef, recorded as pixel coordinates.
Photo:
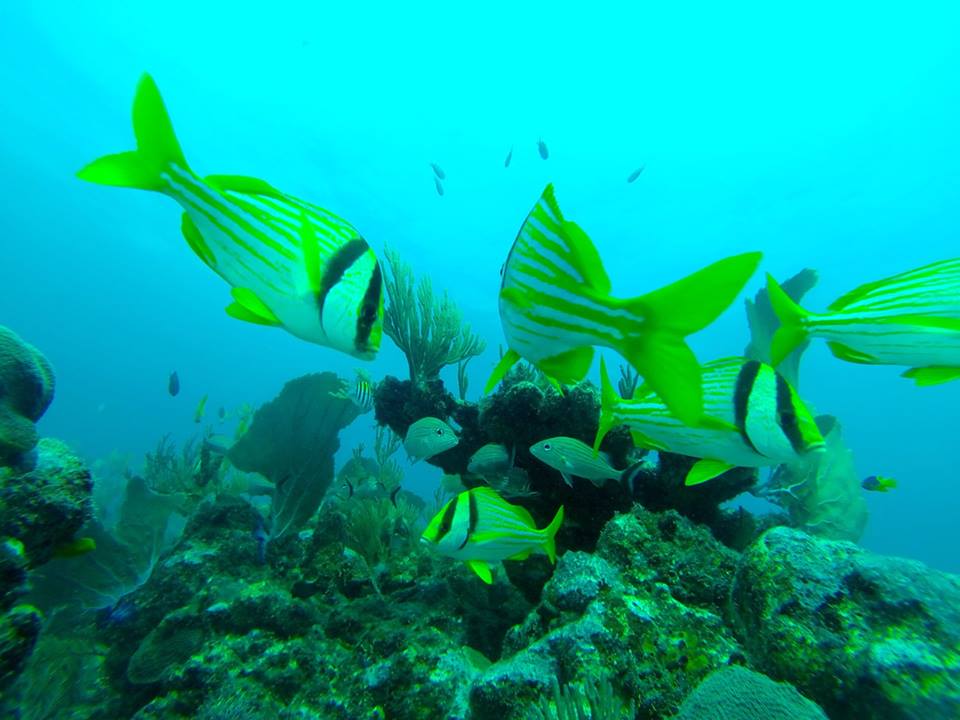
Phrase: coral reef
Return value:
(26, 391)
(738, 693)
(428, 329)
(863, 635)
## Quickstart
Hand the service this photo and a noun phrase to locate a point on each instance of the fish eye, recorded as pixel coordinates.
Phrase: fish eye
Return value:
(440, 432)
(546, 446)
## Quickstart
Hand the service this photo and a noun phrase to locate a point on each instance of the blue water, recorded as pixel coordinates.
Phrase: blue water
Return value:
(827, 139)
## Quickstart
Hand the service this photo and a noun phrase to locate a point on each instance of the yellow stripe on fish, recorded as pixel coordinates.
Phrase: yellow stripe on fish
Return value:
(291, 264)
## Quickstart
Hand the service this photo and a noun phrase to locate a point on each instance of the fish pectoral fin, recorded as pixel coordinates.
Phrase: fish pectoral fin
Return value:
(249, 308)
(708, 422)
(482, 569)
(522, 555)
(642, 441)
(567, 478)
(845, 352)
(569, 367)
(586, 259)
(706, 469)
(509, 359)
(191, 234)
(243, 184)
(925, 377)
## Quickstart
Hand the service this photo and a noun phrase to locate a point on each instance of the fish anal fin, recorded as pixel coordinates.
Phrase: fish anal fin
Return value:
(706, 469)
(243, 184)
(845, 352)
(482, 569)
(249, 308)
(191, 234)
(569, 367)
(925, 377)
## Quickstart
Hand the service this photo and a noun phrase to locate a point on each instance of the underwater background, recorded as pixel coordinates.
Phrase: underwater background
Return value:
(823, 136)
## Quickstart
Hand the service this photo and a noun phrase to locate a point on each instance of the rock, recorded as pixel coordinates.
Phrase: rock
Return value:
(45, 507)
(737, 693)
(861, 634)
(26, 391)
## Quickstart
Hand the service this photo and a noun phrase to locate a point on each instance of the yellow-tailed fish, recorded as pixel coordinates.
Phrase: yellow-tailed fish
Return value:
(290, 263)
(491, 458)
(481, 529)
(878, 483)
(752, 418)
(75, 548)
(555, 306)
(573, 458)
(427, 437)
(910, 319)
(201, 410)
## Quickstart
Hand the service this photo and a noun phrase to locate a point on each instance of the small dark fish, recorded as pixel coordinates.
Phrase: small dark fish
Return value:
(439, 185)
(878, 483)
(542, 147)
(222, 412)
(349, 489)
(262, 538)
(506, 163)
(173, 385)
(438, 171)
(636, 173)
(393, 495)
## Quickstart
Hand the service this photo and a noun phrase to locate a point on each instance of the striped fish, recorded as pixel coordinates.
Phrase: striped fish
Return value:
(481, 528)
(752, 418)
(573, 458)
(363, 392)
(290, 263)
(491, 458)
(910, 319)
(427, 437)
(555, 306)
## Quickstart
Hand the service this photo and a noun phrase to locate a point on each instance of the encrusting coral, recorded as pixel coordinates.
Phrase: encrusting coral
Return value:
(26, 391)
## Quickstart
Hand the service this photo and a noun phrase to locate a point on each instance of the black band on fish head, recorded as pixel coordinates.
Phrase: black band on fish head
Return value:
(341, 261)
(741, 399)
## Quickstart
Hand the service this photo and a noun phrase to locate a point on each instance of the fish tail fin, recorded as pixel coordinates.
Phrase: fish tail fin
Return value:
(666, 316)
(157, 147)
(792, 331)
(550, 532)
(609, 399)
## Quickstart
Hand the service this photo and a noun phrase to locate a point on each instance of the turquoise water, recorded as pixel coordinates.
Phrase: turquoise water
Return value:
(824, 139)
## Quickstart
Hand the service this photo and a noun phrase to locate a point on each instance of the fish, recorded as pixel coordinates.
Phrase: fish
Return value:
(173, 384)
(542, 149)
(222, 413)
(481, 529)
(753, 418)
(394, 494)
(349, 488)
(290, 264)
(439, 185)
(555, 306)
(438, 171)
(363, 393)
(506, 163)
(201, 410)
(427, 437)
(571, 457)
(878, 483)
(911, 319)
(491, 458)
(636, 173)
(75, 548)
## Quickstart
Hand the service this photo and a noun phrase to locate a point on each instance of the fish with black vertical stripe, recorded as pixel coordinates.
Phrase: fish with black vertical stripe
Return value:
(481, 528)
(752, 418)
(290, 263)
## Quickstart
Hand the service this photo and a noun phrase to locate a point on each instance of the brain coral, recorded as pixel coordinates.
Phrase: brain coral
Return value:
(26, 390)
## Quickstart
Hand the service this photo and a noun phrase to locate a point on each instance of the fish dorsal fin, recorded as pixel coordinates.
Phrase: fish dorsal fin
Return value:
(706, 469)
(191, 234)
(482, 569)
(845, 352)
(250, 308)
(243, 184)
(585, 257)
